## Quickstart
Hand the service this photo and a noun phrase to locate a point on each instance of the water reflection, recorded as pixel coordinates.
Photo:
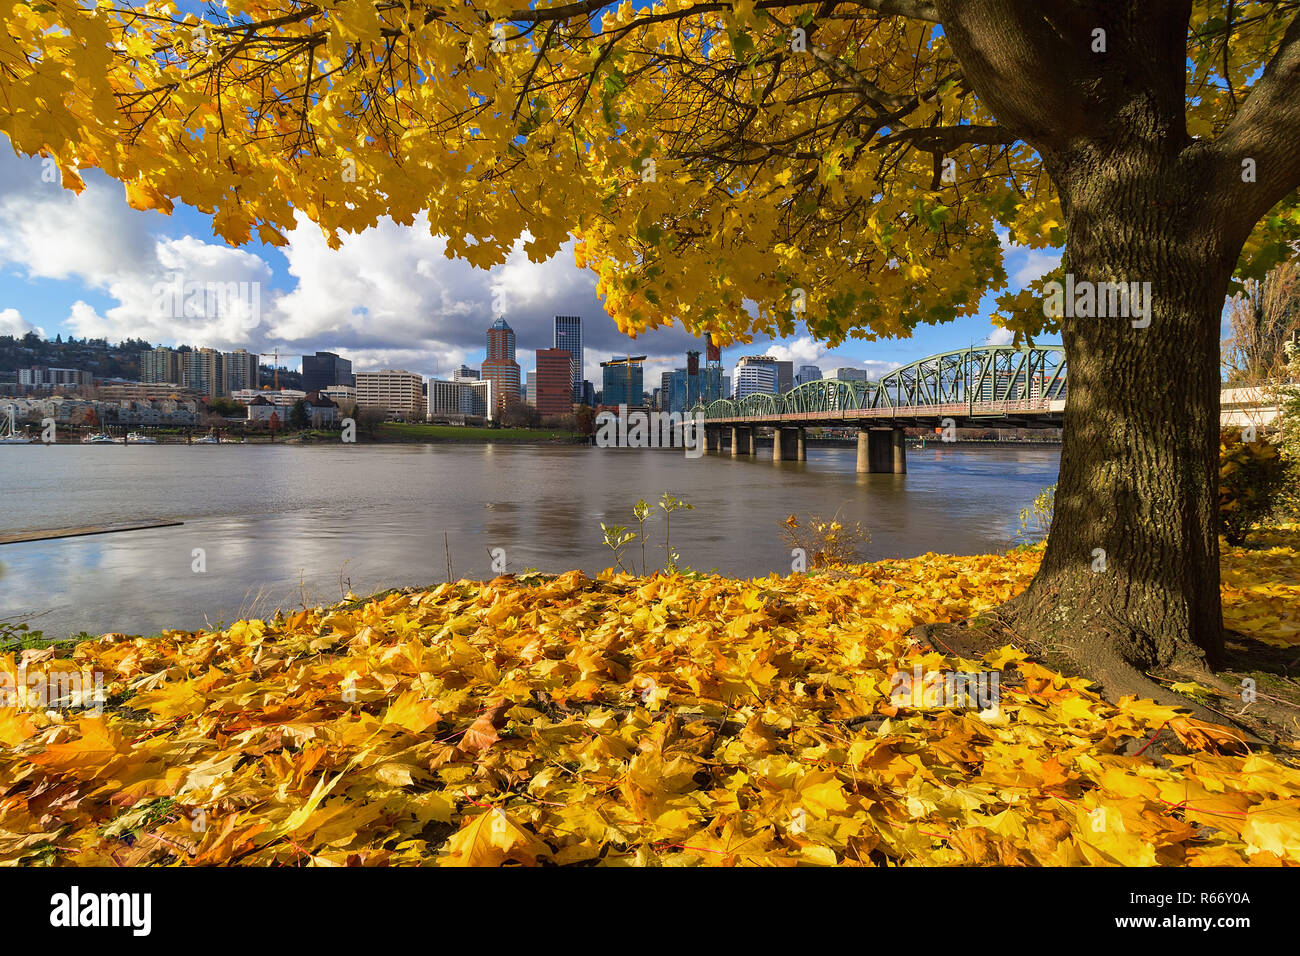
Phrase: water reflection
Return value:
(283, 525)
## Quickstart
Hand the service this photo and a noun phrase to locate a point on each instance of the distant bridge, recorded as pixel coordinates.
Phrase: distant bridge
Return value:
(1021, 387)
(982, 385)
(986, 385)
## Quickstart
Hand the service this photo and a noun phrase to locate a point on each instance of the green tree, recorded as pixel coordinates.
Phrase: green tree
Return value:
(298, 417)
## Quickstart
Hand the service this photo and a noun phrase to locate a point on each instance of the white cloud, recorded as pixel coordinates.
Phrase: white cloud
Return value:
(387, 298)
(1038, 262)
(97, 240)
(12, 323)
(1000, 336)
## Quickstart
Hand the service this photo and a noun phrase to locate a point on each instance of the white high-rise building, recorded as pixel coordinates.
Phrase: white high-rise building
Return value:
(465, 398)
(754, 377)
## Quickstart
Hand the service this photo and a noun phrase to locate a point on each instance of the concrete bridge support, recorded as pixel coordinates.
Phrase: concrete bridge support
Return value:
(712, 439)
(785, 444)
(742, 441)
(881, 451)
(803, 445)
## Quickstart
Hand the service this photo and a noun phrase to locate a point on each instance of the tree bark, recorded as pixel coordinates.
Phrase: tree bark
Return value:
(1130, 576)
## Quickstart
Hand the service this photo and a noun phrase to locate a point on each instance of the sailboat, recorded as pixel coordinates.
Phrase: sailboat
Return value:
(9, 434)
(136, 438)
(208, 439)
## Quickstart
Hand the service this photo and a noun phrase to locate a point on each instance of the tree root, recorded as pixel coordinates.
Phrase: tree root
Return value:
(1092, 656)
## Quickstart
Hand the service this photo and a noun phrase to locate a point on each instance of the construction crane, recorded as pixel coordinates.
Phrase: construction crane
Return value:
(275, 364)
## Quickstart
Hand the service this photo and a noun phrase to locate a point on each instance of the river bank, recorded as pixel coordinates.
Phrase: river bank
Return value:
(627, 720)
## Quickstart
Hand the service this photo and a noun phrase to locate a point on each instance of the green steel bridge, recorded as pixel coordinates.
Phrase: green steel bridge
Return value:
(995, 385)
(988, 384)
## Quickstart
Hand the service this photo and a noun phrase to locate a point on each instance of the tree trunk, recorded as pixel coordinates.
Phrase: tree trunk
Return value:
(1130, 577)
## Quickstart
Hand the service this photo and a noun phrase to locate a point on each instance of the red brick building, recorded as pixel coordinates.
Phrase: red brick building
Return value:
(554, 382)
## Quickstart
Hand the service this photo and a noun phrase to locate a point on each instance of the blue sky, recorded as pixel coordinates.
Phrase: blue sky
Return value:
(89, 264)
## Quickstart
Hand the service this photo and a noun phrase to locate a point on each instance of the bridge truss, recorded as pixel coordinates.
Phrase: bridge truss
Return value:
(981, 381)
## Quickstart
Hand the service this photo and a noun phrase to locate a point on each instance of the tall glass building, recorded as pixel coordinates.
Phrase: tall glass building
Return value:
(622, 381)
(568, 336)
(325, 369)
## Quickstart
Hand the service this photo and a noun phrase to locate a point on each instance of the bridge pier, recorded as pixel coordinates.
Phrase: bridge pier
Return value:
(742, 441)
(881, 451)
(785, 444)
(803, 444)
(712, 439)
(900, 452)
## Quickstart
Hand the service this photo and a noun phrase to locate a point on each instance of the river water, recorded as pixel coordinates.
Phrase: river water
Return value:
(279, 526)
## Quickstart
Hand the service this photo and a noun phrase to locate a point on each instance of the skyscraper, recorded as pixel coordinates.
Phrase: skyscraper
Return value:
(784, 375)
(554, 382)
(755, 373)
(500, 366)
(325, 369)
(621, 381)
(160, 365)
(241, 370)
(568, 336)
(806, 374)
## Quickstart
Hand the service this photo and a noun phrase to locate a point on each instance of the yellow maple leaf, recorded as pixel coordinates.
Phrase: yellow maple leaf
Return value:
(491, 839)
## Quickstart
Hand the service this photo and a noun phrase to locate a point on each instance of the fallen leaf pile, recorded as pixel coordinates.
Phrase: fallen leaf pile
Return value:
(670, 720)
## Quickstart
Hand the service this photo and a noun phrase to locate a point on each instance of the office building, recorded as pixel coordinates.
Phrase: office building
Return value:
(325, 369)
(754, 374)
(500, 366)
(530, 388)
(465, 374)
(459, 400)
(568, 336)
(851, 375)
(554, 378)
(784, 375)
(396, 392)
(621, 381)
(806, 374)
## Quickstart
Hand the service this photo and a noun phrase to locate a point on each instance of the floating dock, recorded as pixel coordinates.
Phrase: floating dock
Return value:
(17, 536)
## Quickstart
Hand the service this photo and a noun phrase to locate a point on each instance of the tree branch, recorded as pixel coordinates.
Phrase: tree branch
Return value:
(943, 139)
(1264, 131)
